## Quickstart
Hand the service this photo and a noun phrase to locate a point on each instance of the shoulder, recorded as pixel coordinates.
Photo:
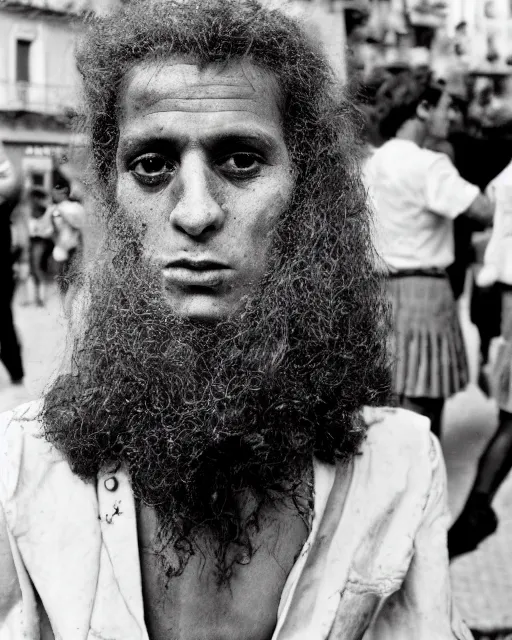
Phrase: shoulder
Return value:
(24, 453)
(400, 445)
(435, 160)
(440, 167)
(397, 154)
(420, 158)
(389, 148)
(404, 427)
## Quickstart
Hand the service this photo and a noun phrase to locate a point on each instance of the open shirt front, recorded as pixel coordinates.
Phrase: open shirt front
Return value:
(375, 565)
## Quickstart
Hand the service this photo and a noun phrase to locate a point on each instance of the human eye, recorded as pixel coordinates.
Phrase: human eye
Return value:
(152, 169)
(241, 164)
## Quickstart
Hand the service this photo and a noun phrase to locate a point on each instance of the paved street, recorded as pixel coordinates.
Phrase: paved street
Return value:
(482, 580)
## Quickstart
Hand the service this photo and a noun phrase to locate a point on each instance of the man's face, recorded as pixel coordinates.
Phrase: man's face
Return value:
(441, 117)
(203, 170)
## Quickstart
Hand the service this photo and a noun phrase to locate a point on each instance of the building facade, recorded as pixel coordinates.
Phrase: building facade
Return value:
(469, 35)
(38, 82)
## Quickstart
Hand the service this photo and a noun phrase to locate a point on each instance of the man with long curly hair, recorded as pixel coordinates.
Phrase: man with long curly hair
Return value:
(205, 467)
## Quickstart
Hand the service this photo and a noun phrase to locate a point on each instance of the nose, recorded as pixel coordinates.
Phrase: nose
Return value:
(197, 212)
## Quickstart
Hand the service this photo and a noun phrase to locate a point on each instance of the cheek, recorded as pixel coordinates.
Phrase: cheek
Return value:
(265, 213)
(271, 201)
(127, 198)
(141, 209)
(144, 217)
(256, 223)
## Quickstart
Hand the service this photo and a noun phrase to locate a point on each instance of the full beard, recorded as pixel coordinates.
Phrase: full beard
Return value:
(204, 415)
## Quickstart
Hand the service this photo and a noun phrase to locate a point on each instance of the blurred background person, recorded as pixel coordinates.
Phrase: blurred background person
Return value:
(20, 242)
(68, 222)
(478, 519)
(417, 194)
(365, 95)
(10, 192)
(41, 243)
(470, 237)
(483, 150)
(67, 219)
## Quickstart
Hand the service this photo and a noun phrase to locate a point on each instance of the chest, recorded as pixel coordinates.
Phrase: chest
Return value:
(192, 606)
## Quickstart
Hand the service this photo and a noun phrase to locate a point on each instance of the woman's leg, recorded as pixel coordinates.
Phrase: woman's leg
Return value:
(432, 408)
(37, 248)
(10, 353)
(496, 461)
(478, 520)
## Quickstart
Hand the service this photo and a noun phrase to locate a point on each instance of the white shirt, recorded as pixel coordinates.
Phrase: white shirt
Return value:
(416, 194)
(375, 565)
(498, 255)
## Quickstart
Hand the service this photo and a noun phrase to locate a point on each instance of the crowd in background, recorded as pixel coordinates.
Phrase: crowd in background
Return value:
(41, 235)
(439, 176)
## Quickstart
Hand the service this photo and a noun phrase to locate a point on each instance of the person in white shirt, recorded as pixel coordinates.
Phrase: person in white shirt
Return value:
(477, 519)
(416, 194)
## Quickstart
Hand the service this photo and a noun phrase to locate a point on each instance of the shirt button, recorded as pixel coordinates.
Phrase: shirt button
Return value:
(111, 484)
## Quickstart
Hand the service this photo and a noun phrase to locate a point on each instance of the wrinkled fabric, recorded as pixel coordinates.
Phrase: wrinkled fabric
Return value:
(374, 567)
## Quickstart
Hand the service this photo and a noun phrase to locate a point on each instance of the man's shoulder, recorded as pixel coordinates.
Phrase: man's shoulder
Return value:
(397, 462)
(24, 452)
(399, 454)
(402, 424)
(398, 438)
(393, 475)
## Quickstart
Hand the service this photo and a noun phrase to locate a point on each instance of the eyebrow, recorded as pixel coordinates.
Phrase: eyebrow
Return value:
(239, 135)
(242, 137)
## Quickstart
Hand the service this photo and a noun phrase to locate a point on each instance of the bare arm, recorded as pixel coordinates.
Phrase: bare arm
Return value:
(481, 210)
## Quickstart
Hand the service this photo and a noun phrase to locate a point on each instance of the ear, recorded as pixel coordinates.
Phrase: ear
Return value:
(423, 110)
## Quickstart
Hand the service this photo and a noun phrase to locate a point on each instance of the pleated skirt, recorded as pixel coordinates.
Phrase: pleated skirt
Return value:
(426, 344)
(502, 369)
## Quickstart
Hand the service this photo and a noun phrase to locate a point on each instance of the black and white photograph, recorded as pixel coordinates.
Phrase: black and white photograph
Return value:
(255, 320)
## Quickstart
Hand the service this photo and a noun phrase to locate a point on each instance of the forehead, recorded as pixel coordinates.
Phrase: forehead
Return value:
(179, 86)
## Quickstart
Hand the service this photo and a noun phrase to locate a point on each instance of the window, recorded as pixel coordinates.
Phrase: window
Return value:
(22, 60)
(38, 179)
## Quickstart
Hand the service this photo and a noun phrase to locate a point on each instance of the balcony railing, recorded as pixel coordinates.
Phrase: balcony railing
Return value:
(37, 98)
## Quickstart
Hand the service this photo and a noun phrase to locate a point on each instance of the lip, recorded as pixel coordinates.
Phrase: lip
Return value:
(196, 265)
(195, 273)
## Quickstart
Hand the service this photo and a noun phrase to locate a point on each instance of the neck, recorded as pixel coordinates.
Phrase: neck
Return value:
(413, 130)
